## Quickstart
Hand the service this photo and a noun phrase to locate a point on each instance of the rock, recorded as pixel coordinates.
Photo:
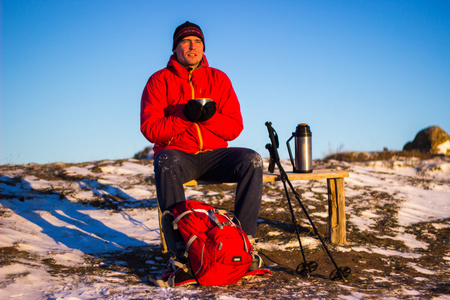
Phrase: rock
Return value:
(430, 140)
(147, 153)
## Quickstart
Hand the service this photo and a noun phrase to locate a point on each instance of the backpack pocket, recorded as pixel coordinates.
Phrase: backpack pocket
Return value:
(224, 258)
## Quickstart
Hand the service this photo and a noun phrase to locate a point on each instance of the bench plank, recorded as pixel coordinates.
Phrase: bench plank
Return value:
(269, 177)
(315, 174)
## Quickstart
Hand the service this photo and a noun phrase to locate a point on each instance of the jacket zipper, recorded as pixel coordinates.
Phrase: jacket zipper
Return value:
(200, 138)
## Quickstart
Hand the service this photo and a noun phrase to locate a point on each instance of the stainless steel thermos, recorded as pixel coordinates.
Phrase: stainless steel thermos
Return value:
(302, 162)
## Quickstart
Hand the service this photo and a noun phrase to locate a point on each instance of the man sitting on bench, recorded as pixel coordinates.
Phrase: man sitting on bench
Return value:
(191, 136)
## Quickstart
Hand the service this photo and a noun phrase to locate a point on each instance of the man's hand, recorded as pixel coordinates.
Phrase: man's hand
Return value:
(209, 109)
(193, 110)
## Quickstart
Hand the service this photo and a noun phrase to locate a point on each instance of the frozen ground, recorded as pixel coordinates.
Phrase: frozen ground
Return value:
(90, 231)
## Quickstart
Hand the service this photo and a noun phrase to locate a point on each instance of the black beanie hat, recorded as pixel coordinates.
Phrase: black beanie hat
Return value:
(187, 29)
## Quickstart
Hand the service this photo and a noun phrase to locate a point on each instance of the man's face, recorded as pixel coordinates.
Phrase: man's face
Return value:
(189, 51)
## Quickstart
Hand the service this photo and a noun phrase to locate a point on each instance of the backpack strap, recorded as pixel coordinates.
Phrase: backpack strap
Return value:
(189, 243)
(229, 215)
(175, 264)
(175, 222)
(191, 211)
(214, 218)
(210, 213)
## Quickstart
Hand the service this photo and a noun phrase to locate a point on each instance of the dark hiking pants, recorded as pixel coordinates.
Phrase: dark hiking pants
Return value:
(241, 165)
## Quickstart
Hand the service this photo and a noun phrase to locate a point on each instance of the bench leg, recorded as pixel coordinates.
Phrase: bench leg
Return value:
(161, 233)
(336, 211)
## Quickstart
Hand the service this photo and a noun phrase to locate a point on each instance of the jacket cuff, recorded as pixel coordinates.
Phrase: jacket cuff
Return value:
(180, 115)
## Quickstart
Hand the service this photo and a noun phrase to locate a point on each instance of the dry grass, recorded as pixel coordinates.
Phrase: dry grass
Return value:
(374, 156)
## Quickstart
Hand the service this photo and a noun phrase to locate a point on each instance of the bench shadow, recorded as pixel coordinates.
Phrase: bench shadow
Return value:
(74, 225)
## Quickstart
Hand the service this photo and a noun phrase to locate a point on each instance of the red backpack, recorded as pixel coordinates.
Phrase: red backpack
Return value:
(218, 249)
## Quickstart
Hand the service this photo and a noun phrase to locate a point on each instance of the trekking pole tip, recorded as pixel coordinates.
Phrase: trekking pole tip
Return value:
(340, 273)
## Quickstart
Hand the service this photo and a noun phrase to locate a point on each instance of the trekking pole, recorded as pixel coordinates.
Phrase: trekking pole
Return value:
(306, 267)
(338, 272)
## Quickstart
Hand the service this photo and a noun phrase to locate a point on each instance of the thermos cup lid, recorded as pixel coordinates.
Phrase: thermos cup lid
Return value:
(303, 130)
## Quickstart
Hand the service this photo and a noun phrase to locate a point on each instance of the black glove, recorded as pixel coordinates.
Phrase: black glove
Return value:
(209, 109)
(193, 110)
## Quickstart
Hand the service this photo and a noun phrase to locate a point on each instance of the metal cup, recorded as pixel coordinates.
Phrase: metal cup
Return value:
(203, 101)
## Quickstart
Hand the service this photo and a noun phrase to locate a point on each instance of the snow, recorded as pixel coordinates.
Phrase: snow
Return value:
(419, 205)
(444, 147)
(420, 269)
(127, 168)
(306, 242)
(409, 240)
(39, 220)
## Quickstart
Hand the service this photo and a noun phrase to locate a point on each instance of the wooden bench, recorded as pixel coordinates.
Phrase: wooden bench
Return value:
(336, 199)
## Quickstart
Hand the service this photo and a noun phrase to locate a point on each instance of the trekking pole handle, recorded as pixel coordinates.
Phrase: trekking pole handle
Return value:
(272, 134)
(271, 158)
(274, 159)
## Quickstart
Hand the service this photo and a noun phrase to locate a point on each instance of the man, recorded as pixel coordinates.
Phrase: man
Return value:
(191, 140)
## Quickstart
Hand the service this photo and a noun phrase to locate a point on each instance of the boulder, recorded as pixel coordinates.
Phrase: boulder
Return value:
(430, 140)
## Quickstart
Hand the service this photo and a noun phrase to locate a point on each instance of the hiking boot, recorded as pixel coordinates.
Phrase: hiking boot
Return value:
(181, 277)
(256, 268)
(257, 262)
(177, 273)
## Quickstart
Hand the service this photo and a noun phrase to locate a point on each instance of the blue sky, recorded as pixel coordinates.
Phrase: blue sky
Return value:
(363, 74)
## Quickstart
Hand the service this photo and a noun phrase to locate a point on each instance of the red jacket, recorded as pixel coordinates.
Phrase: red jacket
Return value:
(168, 90)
